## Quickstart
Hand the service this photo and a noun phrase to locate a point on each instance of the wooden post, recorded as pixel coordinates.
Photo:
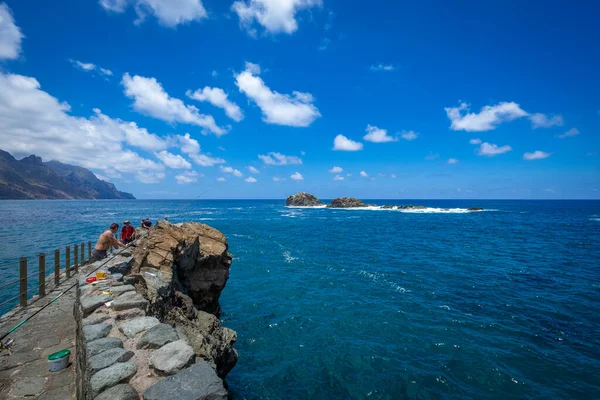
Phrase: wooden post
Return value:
(23, 283)
(89, 251)
(76, 257)
(68, 261)
(82, 253)
(56, 267)
(42, 275)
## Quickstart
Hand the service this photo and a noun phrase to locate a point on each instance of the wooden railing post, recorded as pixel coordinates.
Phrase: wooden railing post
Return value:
(68, 262)
(23, 282)
(56, 267)
(89, 251)
(82, 253)
(76, 258)
(42, 275)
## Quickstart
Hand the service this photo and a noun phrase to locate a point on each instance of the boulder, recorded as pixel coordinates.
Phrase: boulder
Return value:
(303, 199)
(475, 209)
(346, 202)
(108, 358)
(171, 358)
(96, 331)
(157, 336)
(194, 383)
(120, 392)
(102, 345)
(133, 327)
(108, 377)
(411, 207)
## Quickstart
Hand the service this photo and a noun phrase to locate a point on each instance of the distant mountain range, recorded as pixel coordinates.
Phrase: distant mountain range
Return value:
(31, 178)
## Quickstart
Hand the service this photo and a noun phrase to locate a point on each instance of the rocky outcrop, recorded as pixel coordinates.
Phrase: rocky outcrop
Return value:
(475, 209)
(408, 207)
(303, 199)
(346, 202)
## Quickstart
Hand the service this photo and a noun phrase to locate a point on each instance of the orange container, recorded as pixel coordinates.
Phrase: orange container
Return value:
(100, 275)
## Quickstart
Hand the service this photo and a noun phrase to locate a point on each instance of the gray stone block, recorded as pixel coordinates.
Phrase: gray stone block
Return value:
(119, 392)
(117, 277)
(157, 336)
(122, 289)
(108, 358)
(197, 382)
(137, 325)
(101, 345)
(95, 319)
(92, 303)
(172, 357)
(111, 376)
(129, 280)
(129, 303)
(130, 314)
(96, 331)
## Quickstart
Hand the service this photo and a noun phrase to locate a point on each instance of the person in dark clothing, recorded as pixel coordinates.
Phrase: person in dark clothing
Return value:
(146, 223)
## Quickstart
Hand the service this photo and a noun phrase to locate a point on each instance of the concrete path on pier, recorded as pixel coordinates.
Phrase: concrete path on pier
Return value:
(24, 372)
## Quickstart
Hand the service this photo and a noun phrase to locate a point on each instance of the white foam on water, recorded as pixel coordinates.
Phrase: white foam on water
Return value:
(288, 257)
(595, 219)
(322, 206)
(380, 278)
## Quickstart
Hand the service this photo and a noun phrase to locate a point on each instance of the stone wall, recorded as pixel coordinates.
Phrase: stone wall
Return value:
(133, 345)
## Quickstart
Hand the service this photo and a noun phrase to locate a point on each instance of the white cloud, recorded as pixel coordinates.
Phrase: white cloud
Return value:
(336, 170)
(297, 176)
(230, 170)
(569, 133)
(363, 174)
(187, 177)
(342, 143)
(206, 160)
(487, 119)
(150, 98)
(96, 142)
(540, 120)
(254, 69)
(490, 150)
(452, 161)
(376, 135)
(432, 156)
(253, 170)
(10, 35)
(278, 179)
(536, 155)
(90, 67)
(475, 141)
(173, 161)
(276, 16)
(218, 98)
(338, 178)
(107, 72)
(295, 110)
(188, 144)
(168, 12)
(279, 159)
(324, 44)
(409, 135)
(393, 176)
(382, 67)
(221, 179)
(250, 179)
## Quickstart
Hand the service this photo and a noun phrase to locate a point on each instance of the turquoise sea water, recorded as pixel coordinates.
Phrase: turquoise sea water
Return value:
(374, 304)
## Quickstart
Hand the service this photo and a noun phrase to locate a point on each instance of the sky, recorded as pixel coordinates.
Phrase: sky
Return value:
(266, 98)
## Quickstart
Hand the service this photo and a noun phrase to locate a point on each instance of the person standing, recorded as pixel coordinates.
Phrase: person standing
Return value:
(127, 233)
(105, 240)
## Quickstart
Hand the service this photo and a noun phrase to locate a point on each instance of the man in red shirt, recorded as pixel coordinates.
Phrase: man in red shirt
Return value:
(127, 233)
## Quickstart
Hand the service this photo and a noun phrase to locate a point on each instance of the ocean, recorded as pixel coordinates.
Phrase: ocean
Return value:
(380, 304)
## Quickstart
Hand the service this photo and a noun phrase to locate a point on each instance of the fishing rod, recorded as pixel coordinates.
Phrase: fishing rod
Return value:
(4, 345)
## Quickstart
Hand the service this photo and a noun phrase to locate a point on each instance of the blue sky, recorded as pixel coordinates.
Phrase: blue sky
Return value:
(265, 98)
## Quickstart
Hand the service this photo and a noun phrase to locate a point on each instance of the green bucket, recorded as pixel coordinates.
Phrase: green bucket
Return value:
(59, 360)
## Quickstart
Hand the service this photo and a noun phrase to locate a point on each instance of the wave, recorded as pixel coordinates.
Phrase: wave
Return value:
(427, 210)
(595, 219)
(288, 257)
(323, 206)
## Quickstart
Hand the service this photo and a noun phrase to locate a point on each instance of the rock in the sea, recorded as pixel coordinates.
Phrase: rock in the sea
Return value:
(303, 199)
(475, 209)
(346, 202)
(172, 357)
(112, 375)
(194, 383)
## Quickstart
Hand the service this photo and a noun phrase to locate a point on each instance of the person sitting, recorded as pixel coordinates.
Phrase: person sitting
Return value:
(105, 241)
(127, 233)
(146, 223)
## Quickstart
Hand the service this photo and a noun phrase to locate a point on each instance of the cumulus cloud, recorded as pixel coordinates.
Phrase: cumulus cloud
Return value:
(10, 35)
(295, 110)
(569, 133)
(253, 170)
(279, 159)
(221, 179)
(490, 150)
(487, 119)
(297, 176)
(218, 98)
(363, 174)
(393, 176)
(377, 135)
(230, 170)
(169, 13)
(173, 161)
(149, 98)
(187, 177)
(342, 143)
(250, 179)
(89, 67)
(338, 178)
(275, 16)
(52, 133)
(539, 120)
(409, 135)
(191, 147)
(205, 160)
(278, 179)
(382, 67)
(432, 156)
(452, 161)
(536, 155)
(336, 170)
(475, 141)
